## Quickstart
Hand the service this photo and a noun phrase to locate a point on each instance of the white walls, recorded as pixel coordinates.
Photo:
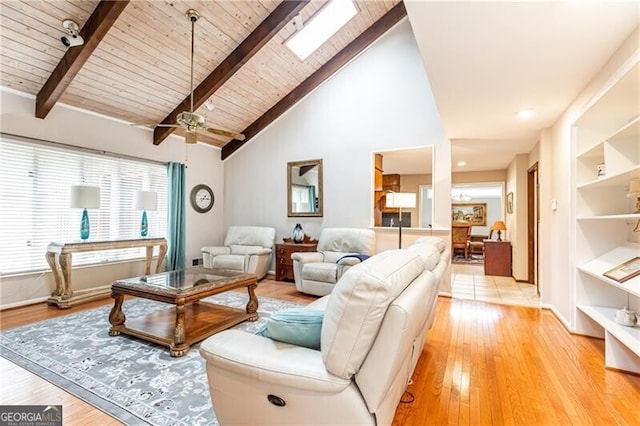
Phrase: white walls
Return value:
(557, 251)
(517, 222)
(381, 100)
(73, 127)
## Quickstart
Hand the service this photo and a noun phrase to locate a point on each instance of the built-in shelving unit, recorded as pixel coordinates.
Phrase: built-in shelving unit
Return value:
(607, 138)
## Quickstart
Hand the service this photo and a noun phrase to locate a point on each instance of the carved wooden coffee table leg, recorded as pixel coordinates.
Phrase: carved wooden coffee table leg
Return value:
(178, 347)
(116, 317)
(252, 304)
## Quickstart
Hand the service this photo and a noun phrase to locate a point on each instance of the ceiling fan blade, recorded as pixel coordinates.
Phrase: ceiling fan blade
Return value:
(153, 125)
(227, 133)
(191, 137)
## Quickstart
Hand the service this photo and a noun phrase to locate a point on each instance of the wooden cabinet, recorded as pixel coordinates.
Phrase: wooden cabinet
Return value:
(606, 158)
(377, 173)
(497, 258)
(284, 264)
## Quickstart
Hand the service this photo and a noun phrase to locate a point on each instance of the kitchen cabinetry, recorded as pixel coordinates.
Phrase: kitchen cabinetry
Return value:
(607, 156)
(284, 264)
(497, 258)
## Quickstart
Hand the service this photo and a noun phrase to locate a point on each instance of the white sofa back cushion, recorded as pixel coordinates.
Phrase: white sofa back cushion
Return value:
(347, 240)
(358, 304)
(250, 236)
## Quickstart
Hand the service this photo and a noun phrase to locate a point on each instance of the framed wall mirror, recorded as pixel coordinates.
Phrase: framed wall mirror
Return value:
(405, 171)
(304, 188)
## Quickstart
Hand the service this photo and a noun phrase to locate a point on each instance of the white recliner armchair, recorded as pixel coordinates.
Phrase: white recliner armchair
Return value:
(246, 248)
(372, 335)
(338, 249)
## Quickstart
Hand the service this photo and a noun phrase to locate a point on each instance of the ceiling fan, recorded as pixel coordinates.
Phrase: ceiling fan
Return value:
(191, 121)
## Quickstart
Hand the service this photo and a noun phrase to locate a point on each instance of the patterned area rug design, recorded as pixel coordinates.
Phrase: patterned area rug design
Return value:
(476, 259)
(136, 382)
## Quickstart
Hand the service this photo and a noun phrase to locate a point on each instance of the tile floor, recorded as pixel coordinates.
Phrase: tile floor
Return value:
(469, 282)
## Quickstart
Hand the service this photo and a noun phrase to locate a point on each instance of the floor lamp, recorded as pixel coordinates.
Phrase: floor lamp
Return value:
(401, 200)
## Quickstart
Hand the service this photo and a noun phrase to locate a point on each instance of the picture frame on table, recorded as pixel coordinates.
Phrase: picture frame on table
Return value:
(625, 271)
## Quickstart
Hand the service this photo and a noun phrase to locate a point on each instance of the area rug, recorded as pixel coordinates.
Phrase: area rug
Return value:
(132, 380)
(474, 259)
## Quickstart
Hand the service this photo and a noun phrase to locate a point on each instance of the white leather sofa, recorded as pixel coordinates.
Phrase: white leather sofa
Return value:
(318, 272)
(372, 336)
(246, 248)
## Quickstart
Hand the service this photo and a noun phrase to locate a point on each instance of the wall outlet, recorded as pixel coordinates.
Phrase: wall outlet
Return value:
(197, 262)
(554, 205)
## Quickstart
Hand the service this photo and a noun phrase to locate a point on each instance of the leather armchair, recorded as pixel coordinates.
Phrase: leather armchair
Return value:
(246, 248)
(318, 272)
(373, 332)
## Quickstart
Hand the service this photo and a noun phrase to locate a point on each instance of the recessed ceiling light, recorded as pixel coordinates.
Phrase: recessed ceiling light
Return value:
(524, 114)
(325, 23)
(461, 163)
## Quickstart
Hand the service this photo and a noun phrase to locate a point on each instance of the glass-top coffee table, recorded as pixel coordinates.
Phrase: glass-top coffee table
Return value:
(190, 320)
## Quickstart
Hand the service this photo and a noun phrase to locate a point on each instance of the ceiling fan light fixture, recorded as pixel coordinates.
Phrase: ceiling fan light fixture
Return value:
(190, 119)
(324, 24)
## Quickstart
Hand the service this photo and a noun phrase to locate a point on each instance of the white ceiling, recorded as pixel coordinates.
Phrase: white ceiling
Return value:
(487, 60)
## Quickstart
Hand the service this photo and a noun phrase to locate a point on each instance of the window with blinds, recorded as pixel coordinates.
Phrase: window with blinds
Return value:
(35, 186)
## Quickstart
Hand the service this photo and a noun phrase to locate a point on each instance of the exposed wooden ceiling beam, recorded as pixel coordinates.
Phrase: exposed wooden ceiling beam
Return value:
(281, 16)
(93, 31)
(314, 80)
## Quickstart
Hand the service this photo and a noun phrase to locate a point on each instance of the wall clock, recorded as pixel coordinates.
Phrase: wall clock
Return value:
(202, 198)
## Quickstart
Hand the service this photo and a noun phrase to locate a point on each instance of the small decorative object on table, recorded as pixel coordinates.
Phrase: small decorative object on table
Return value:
(298, 234)
(601, 170)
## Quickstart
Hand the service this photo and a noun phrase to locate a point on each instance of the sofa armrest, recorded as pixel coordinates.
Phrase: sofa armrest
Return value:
(215, 251)
(307, 257)
(349, 261)
(270, 361)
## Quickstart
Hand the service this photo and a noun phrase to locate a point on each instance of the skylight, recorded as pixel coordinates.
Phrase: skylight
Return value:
(321, 27)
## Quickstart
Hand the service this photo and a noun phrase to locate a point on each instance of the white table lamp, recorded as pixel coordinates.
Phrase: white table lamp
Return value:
(145, 200)
(85, 197)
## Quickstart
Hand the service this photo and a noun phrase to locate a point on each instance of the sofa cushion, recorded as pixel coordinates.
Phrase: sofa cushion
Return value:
(298, 326)
(358, 304)
(347, 240)
(436, 241)
(229, 261)
(244, 250)
(250, 236)
(323, 272)
(429, 253)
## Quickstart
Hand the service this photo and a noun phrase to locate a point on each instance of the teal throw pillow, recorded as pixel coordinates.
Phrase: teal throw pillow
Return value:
(298, 326)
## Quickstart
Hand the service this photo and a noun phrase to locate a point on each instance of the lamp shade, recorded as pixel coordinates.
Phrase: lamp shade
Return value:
(634, 188)
(146, 200)
(85, 197)
(405, 200)
(499, 225)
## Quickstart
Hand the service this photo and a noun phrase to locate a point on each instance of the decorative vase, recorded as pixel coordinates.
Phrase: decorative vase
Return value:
(298, 234)
(84, 225)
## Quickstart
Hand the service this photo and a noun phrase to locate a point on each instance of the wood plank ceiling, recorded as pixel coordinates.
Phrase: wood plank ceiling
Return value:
(140, 69)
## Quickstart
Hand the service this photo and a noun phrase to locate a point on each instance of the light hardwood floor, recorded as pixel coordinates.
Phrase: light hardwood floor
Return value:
(483, 364)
